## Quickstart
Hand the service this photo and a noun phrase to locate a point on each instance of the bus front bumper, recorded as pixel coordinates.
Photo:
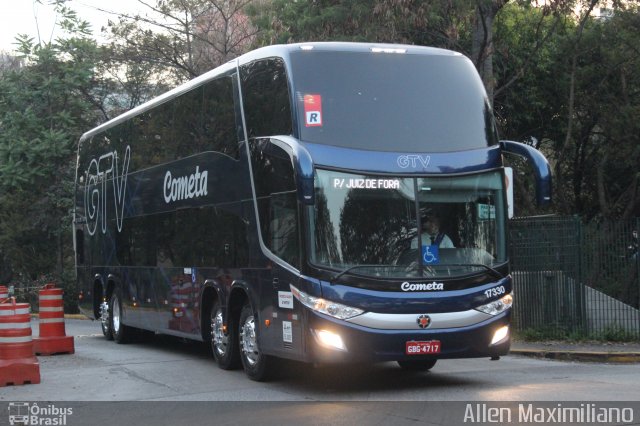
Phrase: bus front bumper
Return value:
(334, 341)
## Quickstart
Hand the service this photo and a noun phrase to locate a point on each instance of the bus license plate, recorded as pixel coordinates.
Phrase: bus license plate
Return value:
(423, 348)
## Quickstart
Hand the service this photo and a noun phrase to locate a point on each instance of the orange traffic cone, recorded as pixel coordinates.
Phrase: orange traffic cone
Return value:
(4, 294)
(17, 363)
(52, 338)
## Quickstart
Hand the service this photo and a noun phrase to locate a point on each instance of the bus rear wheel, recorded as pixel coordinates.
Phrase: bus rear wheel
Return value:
(223, 345)
(418, 365)
(257, 366)
(121, 333)
(105, 322)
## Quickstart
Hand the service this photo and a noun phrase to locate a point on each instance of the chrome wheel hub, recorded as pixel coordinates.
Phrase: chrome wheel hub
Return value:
(218, 338)
(104, 315)
(248, 341)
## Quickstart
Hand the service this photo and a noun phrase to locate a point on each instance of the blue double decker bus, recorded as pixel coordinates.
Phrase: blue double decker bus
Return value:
(319, 202)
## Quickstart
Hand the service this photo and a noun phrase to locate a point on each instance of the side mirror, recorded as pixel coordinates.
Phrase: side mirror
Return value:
(304, 171)
(303, 166)
(540, 165)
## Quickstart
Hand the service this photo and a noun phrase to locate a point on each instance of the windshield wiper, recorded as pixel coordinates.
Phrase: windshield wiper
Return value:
(351, 268)
(482, 265)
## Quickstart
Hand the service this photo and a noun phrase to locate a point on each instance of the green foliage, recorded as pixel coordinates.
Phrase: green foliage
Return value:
(530, 100)
(27, 290)
(286, 21)
(569, 90)
(45, 105)
(539, 334)
(436, 23)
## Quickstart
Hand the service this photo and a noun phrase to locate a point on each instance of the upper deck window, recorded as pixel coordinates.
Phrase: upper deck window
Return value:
(266, 98)
(391, 102)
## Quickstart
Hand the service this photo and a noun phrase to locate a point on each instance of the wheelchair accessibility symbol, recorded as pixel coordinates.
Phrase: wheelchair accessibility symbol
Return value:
(430, 255)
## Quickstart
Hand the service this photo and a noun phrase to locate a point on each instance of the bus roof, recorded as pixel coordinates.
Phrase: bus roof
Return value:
(282, 51)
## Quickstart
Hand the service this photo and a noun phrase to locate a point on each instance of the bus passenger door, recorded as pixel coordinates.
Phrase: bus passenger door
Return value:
(278, 210)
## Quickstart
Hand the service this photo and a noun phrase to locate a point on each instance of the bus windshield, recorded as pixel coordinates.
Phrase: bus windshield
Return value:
(391, 102)
(369, 224)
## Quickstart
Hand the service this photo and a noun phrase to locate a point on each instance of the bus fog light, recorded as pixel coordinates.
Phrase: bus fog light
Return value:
(330, 340)
(500, 334)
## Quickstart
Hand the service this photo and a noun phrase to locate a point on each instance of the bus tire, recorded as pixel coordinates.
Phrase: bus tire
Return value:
(106, 330)
(224, 346)
(418, 365)
(257, 366)
(121, 333)
(105, 324)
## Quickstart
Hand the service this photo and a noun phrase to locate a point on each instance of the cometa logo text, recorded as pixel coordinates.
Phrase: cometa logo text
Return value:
(407, 286)
(185, 187)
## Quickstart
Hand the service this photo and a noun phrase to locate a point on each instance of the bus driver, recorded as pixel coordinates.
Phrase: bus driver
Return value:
(431, 233)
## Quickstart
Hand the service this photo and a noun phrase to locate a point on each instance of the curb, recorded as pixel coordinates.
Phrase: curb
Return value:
(583, 356)
(66, 316)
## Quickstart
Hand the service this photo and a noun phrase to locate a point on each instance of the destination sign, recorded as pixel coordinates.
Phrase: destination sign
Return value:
(366, 183)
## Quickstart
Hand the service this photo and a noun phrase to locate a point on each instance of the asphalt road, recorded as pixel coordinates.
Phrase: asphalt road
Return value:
(167, 369)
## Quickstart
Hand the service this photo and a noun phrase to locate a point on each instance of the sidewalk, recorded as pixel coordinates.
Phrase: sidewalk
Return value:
(583, 351)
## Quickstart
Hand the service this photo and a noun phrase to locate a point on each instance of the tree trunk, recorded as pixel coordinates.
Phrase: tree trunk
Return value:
(482, 42)
(561, 179)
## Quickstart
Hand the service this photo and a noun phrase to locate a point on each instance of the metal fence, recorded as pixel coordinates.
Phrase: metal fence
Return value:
(576, 279)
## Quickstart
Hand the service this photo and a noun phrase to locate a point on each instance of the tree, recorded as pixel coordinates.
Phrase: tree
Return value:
(435, 23)
(45, 106)
(529, 96)
(482, 41)
(462, 25)
(575, 100)
(183, 38)
(614, 96)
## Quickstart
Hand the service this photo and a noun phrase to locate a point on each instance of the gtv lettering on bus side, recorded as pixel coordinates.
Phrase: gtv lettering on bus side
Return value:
(95, 194)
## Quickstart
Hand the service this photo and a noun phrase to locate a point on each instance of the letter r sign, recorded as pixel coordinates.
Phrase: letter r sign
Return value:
(312, 110)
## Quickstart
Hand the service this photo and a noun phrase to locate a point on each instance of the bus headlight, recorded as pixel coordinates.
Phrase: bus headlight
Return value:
(336, 310)
(497, 306)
